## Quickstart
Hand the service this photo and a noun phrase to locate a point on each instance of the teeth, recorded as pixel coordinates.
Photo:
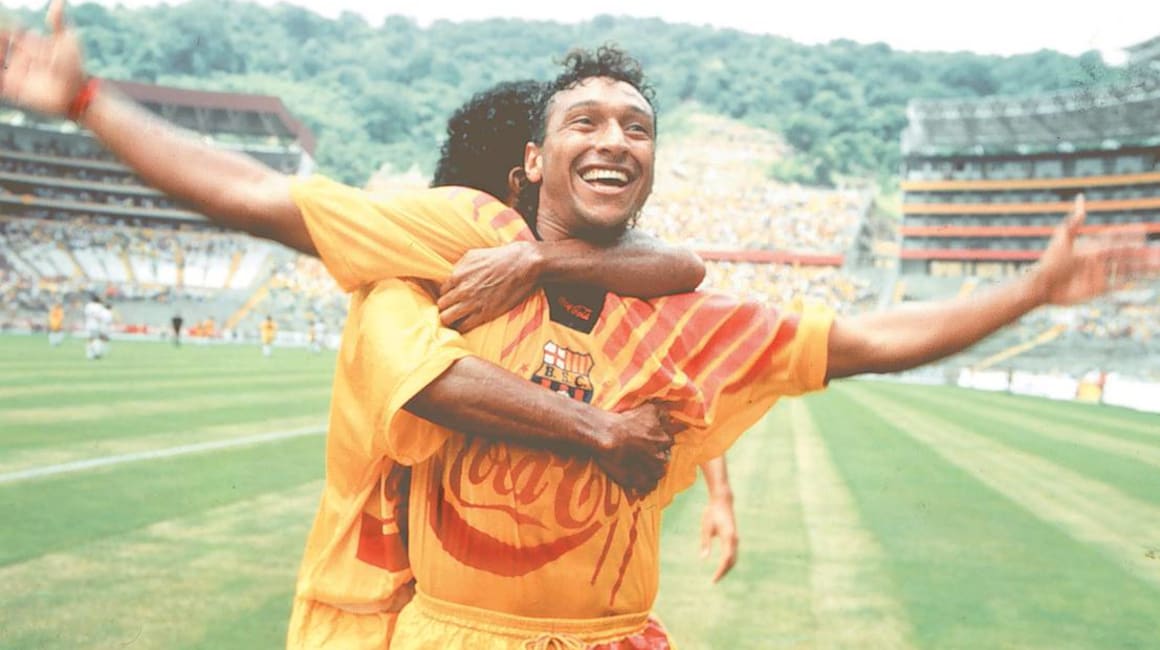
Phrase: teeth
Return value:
(605, 175)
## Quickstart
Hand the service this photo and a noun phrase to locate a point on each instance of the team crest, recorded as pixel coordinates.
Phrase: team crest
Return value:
(565, 372)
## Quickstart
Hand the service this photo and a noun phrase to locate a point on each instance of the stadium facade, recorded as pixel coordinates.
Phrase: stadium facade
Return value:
(985, 180)
(50, 166)
(74, 220)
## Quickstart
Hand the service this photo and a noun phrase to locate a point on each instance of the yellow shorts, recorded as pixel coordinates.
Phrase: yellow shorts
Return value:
(318, 625)
(430, 624)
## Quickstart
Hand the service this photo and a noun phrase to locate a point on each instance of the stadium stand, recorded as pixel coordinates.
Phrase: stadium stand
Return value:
(984, 180)
(75, 221)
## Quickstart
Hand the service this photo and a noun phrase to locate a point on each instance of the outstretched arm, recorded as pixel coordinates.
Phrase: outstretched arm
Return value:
(912, 336)
(489, 282)
(46, 74)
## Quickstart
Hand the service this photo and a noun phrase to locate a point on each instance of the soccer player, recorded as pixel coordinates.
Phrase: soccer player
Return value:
(315, 332)
(269, 330)
(56, 324)
(484, 150)
(94, 314)
(176, 323)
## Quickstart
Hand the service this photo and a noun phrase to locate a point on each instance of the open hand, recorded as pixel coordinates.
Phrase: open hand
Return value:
(41, 73)
(1072, 271)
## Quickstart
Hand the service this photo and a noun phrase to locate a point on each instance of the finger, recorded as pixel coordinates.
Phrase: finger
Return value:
(1078, 213)
(55, 16)
(448, 296)
(454, 314)
(706, 536)
(471, 322)
(448, 285)
(727, 562)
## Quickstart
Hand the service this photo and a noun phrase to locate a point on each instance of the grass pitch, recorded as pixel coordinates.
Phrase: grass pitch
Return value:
(160, 498)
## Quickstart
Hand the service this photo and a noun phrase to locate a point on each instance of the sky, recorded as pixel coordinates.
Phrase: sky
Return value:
(982, 26)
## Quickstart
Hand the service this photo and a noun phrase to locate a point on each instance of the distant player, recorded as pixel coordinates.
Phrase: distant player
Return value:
(94, 324)
(56, 325)
(176, 323)
(317, 331)
(269, 331)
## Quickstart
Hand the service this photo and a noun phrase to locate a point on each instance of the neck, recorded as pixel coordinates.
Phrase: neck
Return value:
(550, 228)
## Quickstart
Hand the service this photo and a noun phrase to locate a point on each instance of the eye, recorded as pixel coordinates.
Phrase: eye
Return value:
(639, 129)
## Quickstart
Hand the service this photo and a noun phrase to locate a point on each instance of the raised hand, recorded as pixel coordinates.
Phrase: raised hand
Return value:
(638, 447)
(41, 73)
(1073, 270)
(487, 283)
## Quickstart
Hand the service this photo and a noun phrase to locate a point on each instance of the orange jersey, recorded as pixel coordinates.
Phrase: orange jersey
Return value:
(55, 319)
(503, 527)
(268, 329)
(355, 559)
(506, 528)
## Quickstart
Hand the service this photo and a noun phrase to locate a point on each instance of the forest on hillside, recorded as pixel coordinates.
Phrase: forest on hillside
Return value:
(378, 94)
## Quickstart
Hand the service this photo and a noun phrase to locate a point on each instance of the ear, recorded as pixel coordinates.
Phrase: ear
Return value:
(533, 163)
(516, 181)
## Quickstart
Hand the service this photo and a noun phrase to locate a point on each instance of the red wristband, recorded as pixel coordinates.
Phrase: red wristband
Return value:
(84, 97)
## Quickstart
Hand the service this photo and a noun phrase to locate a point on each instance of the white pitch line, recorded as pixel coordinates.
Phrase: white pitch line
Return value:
(105, 461)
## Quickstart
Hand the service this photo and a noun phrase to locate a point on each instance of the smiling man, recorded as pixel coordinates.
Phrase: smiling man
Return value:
(515, 547)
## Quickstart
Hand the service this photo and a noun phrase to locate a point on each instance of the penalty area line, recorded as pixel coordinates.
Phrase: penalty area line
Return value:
(154, 454)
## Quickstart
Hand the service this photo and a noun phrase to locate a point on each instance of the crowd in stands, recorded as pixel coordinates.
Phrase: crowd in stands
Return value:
(767, 216)
(9, 165)
(785, 285)
(301, 292)
(128, 199)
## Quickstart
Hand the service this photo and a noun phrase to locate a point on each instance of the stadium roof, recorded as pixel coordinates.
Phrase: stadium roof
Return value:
(1144, 52)
(210, 111)
(1094, 117)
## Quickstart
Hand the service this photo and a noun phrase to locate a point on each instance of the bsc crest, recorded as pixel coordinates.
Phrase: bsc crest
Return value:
(566, 372)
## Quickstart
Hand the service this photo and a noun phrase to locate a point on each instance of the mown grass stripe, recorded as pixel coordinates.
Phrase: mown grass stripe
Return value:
(1121, 464)
(52, 435)
(764, 601)
(138, 407)
(973, 568)
(1124, 529)
(1094, 416)
(80, 507)
(178, 582)
(853, 600)
(79, 404)
(52, 392)
(68, 452)
(154, 454)
(1054, 428)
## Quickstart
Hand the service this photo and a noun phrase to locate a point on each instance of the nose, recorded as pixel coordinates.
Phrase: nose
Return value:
(612, 138)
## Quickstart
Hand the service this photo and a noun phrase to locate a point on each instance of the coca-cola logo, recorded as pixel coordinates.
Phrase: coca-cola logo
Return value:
(563, 500)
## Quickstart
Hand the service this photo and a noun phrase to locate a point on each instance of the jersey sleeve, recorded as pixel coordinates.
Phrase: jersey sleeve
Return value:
(741, 367)
(403, 348)
(364, 237)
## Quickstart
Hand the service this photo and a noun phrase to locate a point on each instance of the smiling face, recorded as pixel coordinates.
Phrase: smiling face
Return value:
(595, 165)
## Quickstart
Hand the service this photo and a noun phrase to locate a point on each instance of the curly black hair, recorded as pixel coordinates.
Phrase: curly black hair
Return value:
(486, 138)
(579, 65)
